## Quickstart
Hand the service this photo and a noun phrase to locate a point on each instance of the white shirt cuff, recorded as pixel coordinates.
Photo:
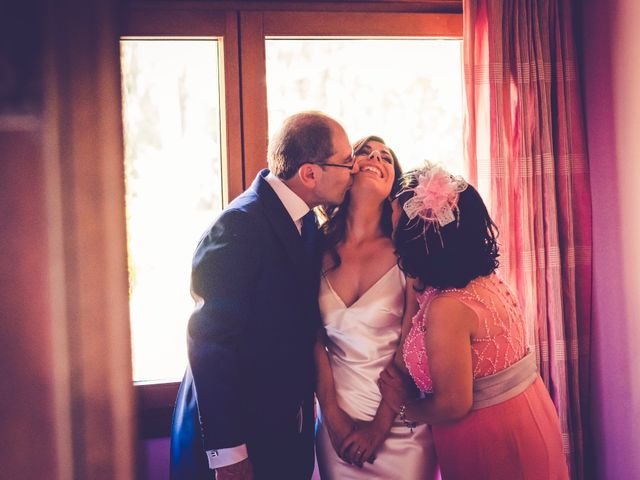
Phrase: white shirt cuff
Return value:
(226, 456)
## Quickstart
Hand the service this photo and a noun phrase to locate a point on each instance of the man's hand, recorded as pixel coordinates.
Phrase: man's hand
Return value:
(237, 471)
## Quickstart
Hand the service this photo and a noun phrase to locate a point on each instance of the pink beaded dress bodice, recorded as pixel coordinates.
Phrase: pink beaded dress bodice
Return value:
(499, 340)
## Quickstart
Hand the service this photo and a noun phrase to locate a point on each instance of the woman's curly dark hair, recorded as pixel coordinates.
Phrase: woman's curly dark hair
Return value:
(460, 252)
(334, 230)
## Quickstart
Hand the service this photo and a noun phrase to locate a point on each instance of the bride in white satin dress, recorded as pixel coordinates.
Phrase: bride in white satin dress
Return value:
(361, 300)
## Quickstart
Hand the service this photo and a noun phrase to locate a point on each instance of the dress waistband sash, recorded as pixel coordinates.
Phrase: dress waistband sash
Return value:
(505, 384)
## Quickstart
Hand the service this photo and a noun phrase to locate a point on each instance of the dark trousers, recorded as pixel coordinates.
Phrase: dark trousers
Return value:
(281, 452)
(276, 448)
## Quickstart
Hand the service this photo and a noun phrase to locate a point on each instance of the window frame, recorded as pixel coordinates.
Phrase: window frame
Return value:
(243, 28)
(154, 400)
(151, 21)
(258, 26)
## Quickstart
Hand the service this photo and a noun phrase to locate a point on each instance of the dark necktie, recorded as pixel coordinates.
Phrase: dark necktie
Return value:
(308, 233)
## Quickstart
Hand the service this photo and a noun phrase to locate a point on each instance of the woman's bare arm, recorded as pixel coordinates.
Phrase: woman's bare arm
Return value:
(338, 423)
(448, 345)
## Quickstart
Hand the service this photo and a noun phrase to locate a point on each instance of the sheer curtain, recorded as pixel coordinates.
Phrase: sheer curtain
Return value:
(525, 149)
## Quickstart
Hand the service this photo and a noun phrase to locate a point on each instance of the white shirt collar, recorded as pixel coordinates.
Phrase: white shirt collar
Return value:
(295, 206)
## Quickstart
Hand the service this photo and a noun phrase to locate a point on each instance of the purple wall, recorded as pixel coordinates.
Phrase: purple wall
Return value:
(155, 465)
(611, 78)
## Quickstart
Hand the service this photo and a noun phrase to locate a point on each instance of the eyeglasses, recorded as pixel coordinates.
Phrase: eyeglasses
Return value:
(348, 166)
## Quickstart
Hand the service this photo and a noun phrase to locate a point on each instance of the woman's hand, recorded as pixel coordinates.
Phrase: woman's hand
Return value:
(362, 444)
(394, 387)
(339, 426)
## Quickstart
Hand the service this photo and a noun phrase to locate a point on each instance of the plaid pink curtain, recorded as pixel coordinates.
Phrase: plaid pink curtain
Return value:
(525, 150)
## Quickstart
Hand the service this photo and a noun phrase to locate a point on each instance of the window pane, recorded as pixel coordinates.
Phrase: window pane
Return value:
(408, 91)
(173, 189)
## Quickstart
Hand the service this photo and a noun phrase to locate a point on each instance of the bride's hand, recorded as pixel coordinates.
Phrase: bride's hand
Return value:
(362, 444)
(339, 426)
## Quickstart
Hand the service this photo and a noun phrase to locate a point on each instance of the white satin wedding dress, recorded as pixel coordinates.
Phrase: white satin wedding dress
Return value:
(362, 339)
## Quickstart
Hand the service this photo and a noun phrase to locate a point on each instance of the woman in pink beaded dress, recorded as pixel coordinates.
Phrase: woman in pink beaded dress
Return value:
(491, 415)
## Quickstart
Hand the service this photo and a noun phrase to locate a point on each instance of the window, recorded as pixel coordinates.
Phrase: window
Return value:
(203, 84)
(375, 86)
(171, 113)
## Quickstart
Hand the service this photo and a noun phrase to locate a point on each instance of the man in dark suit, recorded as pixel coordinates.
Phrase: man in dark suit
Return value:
(245, 405)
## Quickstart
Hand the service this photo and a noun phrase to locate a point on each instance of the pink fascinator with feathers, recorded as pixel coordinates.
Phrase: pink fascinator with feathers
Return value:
(435, 197)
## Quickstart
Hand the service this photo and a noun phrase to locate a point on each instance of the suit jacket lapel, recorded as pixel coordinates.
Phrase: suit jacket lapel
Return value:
(280, 219)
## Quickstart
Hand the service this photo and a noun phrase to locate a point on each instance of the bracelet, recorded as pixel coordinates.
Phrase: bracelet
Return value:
(403, 417)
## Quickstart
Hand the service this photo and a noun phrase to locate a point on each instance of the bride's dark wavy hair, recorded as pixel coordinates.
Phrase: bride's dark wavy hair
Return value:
(334, 229)
(462, 250)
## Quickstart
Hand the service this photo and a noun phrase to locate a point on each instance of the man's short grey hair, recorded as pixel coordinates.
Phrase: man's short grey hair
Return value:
(305, 137)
